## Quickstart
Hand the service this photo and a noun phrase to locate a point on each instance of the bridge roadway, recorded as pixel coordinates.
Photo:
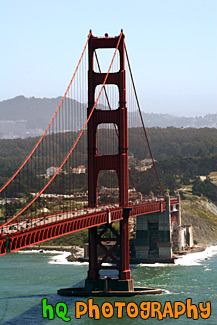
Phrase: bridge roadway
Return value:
(26, 233)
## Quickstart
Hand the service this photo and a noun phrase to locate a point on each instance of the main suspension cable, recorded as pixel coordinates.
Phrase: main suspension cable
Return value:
(143, 125)
(48, 127)
(78, 138)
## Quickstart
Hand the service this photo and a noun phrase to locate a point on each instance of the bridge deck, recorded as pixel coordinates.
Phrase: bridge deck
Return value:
(44, 228)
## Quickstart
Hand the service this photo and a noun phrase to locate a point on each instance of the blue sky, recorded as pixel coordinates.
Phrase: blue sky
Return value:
(172, 46)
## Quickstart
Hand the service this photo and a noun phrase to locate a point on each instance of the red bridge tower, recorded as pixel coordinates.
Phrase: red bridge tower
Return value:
(118, 162)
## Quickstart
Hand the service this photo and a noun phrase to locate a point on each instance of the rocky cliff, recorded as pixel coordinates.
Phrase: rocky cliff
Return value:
(202, 215)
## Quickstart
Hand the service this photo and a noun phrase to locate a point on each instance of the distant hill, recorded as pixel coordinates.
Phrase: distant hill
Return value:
(39, 111)
(166, 120)
(36, 111)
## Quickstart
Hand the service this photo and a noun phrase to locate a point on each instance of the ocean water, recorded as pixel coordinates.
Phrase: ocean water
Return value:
(28, 277)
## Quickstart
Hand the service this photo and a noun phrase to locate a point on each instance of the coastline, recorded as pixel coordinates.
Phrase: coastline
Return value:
(195, 249)
(77, 253)
(49, 248)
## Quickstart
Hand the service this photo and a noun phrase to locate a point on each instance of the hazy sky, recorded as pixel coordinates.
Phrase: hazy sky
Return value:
(172, 46)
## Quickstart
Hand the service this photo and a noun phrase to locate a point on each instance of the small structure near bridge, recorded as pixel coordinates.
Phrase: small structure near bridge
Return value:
(159, 235)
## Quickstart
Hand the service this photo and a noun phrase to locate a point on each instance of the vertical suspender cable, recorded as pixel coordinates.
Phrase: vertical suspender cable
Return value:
(143, 125)
(50, 121)
(75, 144)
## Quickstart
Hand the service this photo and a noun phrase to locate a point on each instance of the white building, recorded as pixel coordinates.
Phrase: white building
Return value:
(80, 170)
(51, 171)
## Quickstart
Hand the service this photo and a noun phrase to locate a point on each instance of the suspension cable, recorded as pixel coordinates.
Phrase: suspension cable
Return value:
(78, 138)
(143, 125)
(48, 127)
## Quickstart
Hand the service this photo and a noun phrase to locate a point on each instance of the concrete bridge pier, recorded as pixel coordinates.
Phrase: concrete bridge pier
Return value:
(154, 234)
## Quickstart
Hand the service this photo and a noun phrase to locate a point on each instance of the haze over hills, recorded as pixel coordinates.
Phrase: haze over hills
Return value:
(36, 113)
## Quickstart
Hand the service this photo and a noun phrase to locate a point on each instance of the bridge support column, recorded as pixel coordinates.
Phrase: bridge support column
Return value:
(124, 272)
(117, 162)
(109, 254)
(93, 272)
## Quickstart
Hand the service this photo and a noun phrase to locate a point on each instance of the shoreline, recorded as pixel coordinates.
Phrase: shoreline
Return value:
(195, 249)
(49, 248)
(76, 253)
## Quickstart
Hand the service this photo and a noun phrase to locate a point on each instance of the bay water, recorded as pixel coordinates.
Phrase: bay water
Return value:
(28, 277)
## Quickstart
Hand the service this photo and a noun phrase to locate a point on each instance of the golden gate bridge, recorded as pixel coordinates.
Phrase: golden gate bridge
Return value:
(41, 201)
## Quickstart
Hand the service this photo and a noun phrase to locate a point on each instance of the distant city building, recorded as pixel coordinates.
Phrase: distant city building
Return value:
(146, 162)
(114, 192)
(109, 191)
(17, 129)
(31, 133)
(144, 165)
(143, 168)
(13, 129)
(80, 170)
(51, 171)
